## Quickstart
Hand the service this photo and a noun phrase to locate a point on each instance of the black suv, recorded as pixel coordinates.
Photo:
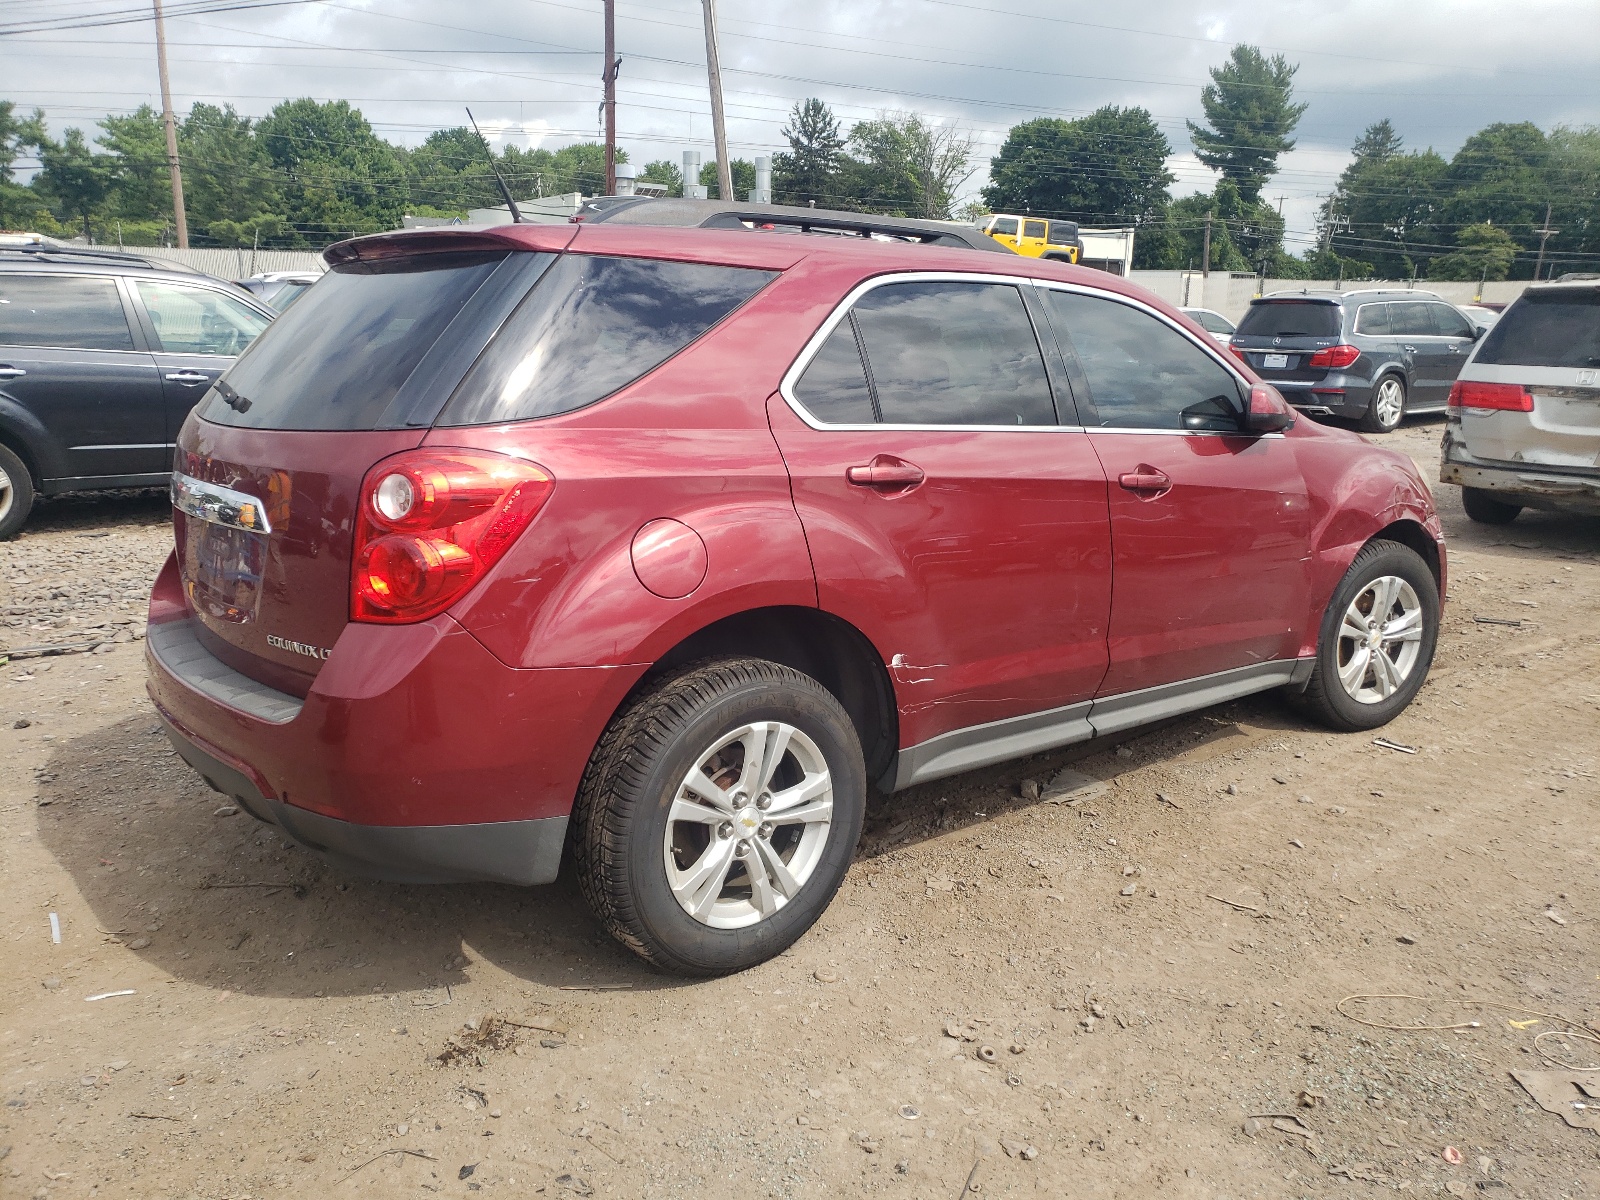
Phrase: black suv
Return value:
(102, 354)
(1373, 356)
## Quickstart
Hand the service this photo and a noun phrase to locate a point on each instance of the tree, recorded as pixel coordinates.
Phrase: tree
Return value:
(75, 177)
(20, 207)
(744, 179)
(1107, 167)
(141, 180)
(1251, 114)
(1487, 252)
(666, 173)
(339, 177)
(451, 170)
(1386, 212)
(906, 167)
(1499, 176)
(810, 171)
(228, 179)
(1572, 168)
(1379, 143)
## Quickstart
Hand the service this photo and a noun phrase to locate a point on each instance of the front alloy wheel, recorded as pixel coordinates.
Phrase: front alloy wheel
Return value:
(719, 814)
(1380, 640)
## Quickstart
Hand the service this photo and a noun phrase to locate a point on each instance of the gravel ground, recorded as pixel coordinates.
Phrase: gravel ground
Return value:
(1128, 991)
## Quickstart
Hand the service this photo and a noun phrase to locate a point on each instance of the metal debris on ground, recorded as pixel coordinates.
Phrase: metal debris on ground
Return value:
(1498, 621)
(1386, 744)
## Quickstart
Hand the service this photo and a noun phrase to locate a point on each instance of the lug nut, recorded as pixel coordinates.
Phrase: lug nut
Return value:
(742, 850)
(766, 830)
(725, 830)
(765, 802)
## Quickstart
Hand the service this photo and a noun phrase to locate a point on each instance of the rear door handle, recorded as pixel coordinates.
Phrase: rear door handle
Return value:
(7, 371)
(886, 471)
(189, 378)
(1145, 479)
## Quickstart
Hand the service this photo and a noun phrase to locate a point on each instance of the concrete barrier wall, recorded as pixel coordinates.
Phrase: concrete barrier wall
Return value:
(1230, 295)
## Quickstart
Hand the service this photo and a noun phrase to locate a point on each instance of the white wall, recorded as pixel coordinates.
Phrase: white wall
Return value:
(1230, 295)
(235, 264)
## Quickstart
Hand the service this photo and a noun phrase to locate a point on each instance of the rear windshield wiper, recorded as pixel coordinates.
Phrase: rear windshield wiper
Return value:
(230, 397)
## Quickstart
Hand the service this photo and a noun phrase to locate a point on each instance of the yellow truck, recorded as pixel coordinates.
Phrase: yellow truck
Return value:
(1036, 237)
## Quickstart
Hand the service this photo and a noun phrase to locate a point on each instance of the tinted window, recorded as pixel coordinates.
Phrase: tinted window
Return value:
(1062, 233)
(1033, 229)
(1210, 322)
(590, 326)
(1557, 328)
(834, 387)
(1142, 373)
(1290, 318)
(192, 320)
(1005, 225)
(1410, 318)
(71, 311)
(947, 353)
(337, 358)
(1373, 319)
(1448, 322)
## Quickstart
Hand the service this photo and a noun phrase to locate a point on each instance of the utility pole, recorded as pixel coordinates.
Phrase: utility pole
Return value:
(178, 217)
(610, 102)
(1544, 236)
(1205, 251)
(718, 129)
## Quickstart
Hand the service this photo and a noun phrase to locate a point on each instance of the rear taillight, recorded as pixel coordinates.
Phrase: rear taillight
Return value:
(432, 522)
(1512, 397)
(1237, 353)
(1334, 357)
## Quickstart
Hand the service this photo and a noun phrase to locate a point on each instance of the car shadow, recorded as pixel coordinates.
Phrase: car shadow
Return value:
(99, 512)
(227, 902)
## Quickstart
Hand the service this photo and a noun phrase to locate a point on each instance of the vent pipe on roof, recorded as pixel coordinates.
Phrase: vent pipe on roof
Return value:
(762, 192)
(693, 189)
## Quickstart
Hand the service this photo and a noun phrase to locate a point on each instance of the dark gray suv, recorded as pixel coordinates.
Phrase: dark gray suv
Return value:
(1372, 356)
(102, 355)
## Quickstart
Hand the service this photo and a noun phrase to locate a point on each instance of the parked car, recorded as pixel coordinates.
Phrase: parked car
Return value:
(102, 354)
(1036, 237)
(1523, 429)
(279, 289)
(1214, 323)
(665, 545)
(1480, 315)
(1372, 356)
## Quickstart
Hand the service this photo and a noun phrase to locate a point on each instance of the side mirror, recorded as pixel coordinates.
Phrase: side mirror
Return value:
(1268, 411)
(1211, 417)
(1477, 332)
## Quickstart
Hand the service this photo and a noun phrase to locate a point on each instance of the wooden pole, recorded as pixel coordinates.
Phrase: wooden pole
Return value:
(610, 78)
(718, 128)
(178, 217)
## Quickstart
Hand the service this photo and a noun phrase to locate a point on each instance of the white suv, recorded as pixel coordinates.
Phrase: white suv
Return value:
(1523, 427)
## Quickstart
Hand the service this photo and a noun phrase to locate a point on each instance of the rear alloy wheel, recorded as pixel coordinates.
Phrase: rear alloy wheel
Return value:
(1486, 508)
(1388, 406)
(1377, 642)
(719, 815)
(16, 493)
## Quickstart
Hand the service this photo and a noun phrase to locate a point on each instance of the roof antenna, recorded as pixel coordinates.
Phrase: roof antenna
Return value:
(516, 213)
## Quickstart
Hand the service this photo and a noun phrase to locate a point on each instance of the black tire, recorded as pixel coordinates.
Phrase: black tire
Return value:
(16, 493)
(1374, 422)
(621, 815)
(1486, 508)
(1325, 699)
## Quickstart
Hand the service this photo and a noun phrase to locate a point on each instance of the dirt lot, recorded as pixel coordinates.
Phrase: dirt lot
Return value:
(1155, 967)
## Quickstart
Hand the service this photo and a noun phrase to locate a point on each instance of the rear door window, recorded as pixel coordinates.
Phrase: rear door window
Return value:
(336, 359)
(191, 320)
(952, 353)
(1411, 318)
(1142, 373)
(1555, 328)
(70, 312)
(834, 387)
(592, 325)
(1372, 320)
(1291, 318)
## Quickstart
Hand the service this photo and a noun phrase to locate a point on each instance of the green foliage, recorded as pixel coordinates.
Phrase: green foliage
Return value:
(665, 172)
(1487, 252)
(141, 178)
(905, 166)
(73, 178)
(1108, 167)
(1573, 167)
(228, 177)
(744, 179)
(339, 177)
(1250, 116)
(810, 171)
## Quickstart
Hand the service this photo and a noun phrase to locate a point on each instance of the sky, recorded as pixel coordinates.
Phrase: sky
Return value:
(529, 69)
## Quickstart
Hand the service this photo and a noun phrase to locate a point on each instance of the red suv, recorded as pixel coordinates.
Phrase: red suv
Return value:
(662, 546)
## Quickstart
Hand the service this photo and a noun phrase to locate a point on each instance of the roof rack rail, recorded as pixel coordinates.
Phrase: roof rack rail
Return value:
(1426, 295)
(51, 250)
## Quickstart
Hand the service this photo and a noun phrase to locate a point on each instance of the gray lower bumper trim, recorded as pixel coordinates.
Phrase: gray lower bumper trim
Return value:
(174, 645)
(520, 852)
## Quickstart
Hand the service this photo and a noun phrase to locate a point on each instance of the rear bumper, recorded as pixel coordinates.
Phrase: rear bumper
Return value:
(1556, 491)
(416, 754)
(1336, 395)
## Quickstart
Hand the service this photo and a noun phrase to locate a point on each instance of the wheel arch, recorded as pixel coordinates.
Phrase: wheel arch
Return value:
(1410, 533)
(825, 647)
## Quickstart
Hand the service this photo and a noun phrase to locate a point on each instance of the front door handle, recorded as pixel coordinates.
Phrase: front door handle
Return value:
(1145, 479)
(1409, 349)
(7, 371)
(886, 471)
(189, 378)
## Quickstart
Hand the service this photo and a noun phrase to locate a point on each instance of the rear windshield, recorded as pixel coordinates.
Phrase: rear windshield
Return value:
(593, 324)
(1290, 318)
(336, 359)
(1547, 329)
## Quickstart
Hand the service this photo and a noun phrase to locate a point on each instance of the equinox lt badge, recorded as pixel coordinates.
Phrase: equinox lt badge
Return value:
(278, 643)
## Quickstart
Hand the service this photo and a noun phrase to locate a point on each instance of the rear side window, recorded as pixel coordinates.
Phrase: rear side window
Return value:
(1372, 320)
(73, 312)
(1290, 318)
(336, 359)
(191, 320)
(1411, 318)
(834, 387)
(1142, 373)
(1062, 233)
(1033, 229)
(1211, 323)
(951, 353)
(1557, 328)
(1450, 323)
(591, 326)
